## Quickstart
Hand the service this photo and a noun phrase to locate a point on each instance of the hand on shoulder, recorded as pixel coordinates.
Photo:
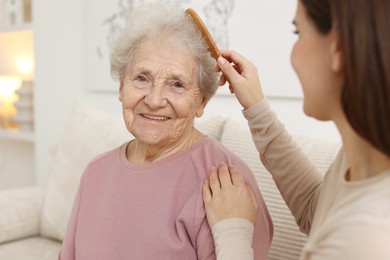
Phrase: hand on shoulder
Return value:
(227, 195)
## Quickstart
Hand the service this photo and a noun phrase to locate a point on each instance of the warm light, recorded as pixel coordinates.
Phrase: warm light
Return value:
(8, 85)
(25, 66)
(8, 97)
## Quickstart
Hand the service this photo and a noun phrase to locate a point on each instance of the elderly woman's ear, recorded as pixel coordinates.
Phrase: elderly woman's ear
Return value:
(200, 110)
(120, 90)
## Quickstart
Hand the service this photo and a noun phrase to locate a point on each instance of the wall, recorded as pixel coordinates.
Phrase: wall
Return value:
(16, 164)
(60, 81)
(59, 69)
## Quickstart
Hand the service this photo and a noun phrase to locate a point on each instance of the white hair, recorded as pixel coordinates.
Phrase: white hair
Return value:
(150, 21)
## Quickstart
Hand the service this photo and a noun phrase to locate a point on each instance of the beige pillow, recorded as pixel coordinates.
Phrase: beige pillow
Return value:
(88, 133)
(211, 127)
(20, 213)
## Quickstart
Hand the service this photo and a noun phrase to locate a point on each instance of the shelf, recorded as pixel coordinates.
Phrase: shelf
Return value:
(16, 28)
(16, 135)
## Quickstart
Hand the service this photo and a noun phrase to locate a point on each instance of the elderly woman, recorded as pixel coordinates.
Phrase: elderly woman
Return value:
(143, 200)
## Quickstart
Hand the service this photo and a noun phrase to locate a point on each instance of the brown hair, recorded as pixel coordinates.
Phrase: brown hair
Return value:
(363, 30)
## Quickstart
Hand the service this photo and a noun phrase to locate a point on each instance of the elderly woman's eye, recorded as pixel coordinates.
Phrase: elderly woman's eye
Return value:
(141, 78)
(178, 85)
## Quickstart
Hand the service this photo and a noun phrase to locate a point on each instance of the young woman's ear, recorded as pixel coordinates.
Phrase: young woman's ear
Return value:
(336, 53)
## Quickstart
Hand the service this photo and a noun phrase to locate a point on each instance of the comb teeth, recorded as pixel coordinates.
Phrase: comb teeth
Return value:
(211, 45)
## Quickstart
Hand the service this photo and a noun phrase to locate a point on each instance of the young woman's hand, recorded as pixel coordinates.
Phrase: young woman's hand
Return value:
(242, 77)
(227, 195)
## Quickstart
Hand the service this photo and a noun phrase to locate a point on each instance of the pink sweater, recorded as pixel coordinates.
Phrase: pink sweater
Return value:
(152, 211)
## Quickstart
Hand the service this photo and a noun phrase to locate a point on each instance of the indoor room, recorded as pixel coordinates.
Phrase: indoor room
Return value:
(60, 108)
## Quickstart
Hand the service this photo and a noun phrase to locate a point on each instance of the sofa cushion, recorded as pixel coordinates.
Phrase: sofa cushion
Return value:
(31, 248)
(20, 213)
(288, 240)
(212, 127)
(88, 132)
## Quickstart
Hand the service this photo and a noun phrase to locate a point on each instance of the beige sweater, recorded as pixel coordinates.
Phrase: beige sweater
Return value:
(351, 220)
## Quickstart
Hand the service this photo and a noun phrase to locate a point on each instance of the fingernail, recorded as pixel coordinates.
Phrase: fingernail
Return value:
(221, 60)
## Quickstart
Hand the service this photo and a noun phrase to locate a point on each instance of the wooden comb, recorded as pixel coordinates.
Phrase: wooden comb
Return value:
(212, 46)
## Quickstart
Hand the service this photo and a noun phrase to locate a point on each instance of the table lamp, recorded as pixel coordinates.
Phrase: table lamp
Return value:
(8, 86)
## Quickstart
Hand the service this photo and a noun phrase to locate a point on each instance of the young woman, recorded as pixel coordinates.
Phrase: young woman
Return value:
(342, 58)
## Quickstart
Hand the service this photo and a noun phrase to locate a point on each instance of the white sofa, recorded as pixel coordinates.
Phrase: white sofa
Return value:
(33, 220)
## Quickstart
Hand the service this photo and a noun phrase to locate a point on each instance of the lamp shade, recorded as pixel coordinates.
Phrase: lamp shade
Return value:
(8, 86)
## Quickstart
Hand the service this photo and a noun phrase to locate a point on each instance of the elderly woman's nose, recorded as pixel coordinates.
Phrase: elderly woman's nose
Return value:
(155, 97)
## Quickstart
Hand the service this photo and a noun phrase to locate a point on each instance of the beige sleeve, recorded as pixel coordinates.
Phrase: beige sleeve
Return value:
(297, 178)
(233, 239)
(357, 241)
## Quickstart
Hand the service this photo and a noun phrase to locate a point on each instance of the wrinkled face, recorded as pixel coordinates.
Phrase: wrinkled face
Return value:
(160, 94)
(313, 60)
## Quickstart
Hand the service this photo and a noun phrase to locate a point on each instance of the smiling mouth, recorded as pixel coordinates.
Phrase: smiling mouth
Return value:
(158, 118)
